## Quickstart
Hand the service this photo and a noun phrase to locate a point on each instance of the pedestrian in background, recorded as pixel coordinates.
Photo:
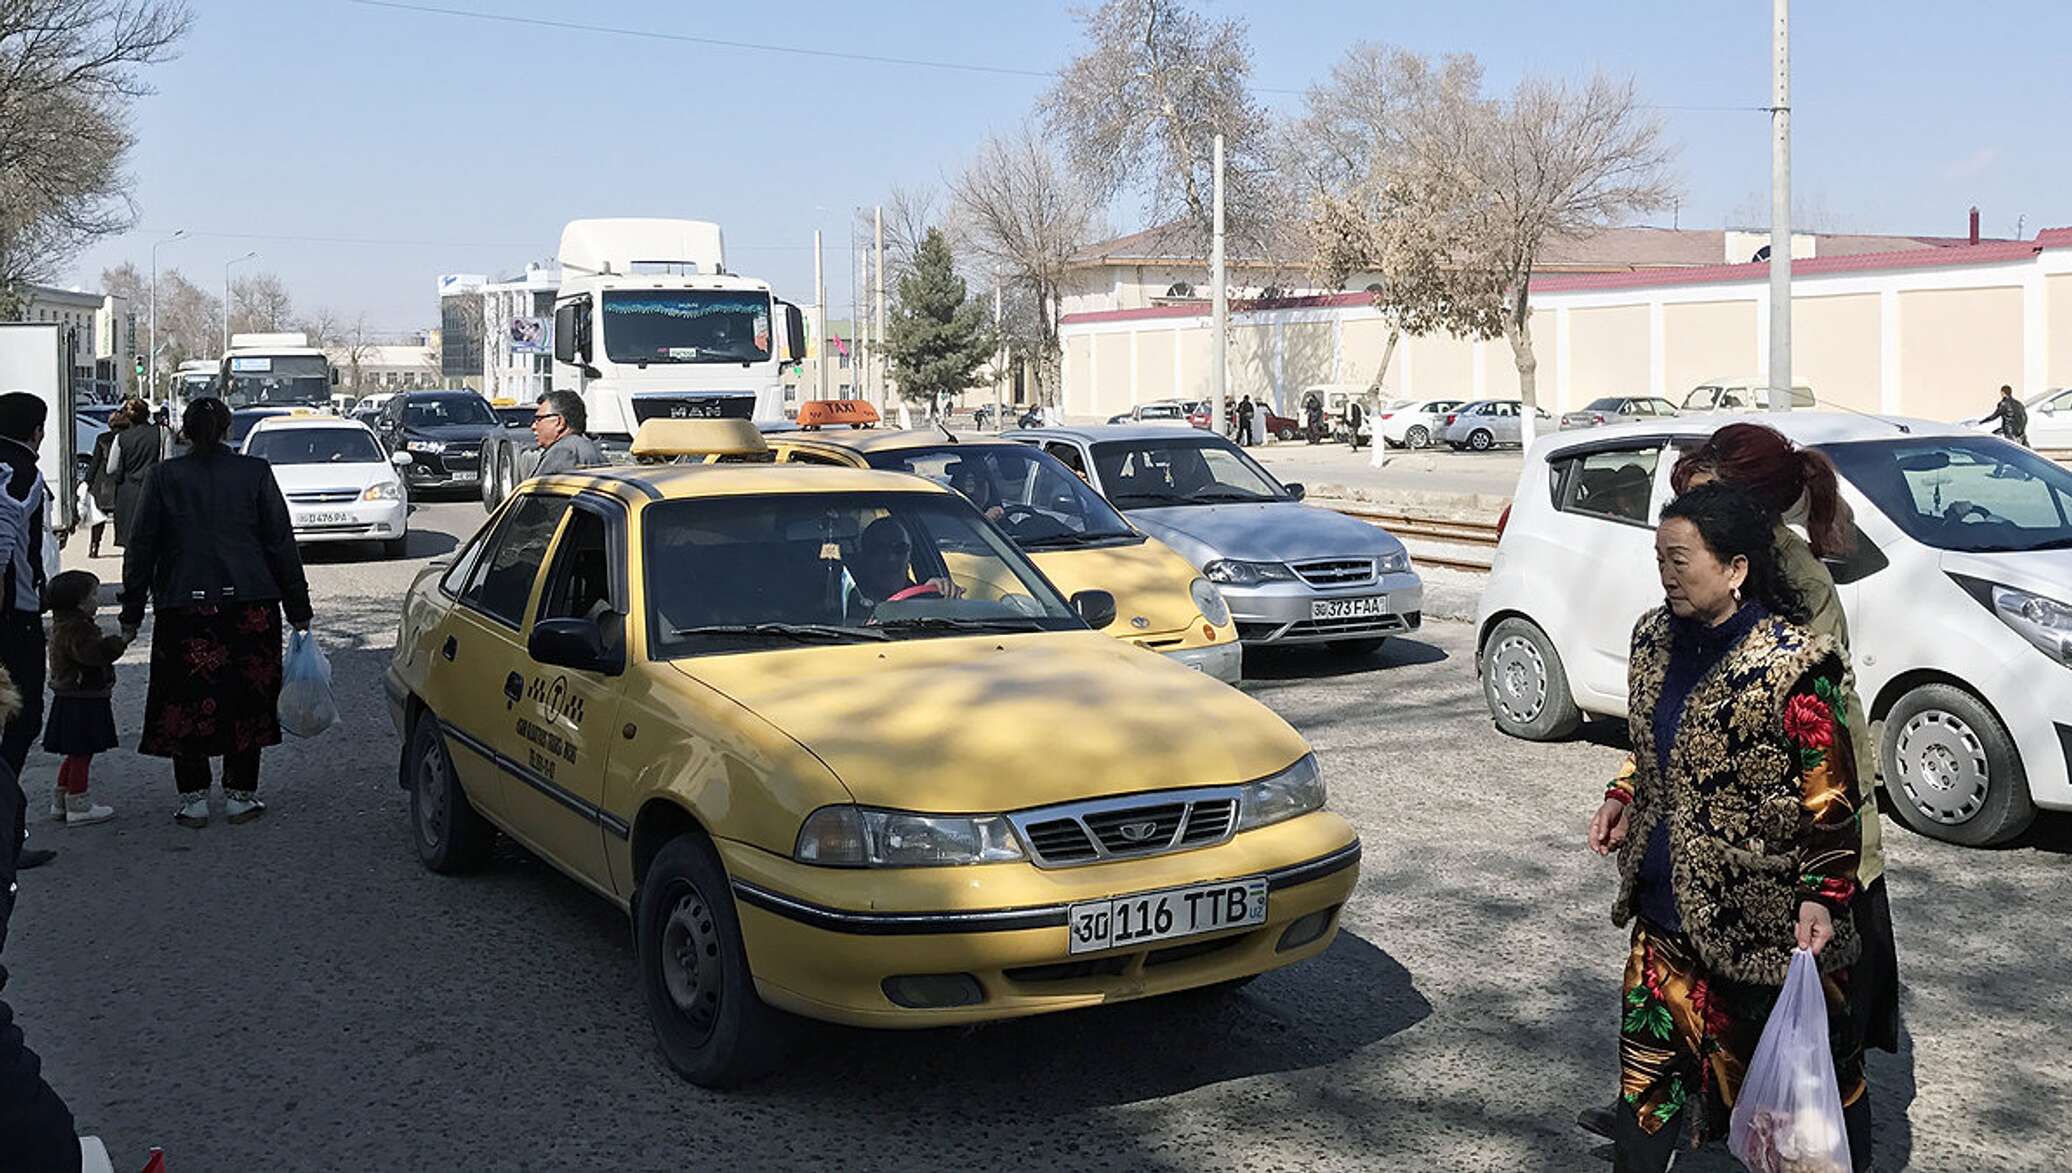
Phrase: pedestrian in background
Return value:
(133, 454)
(98, 507)
(24, 532)
(1744, 754)
(559, 427)
(1244, 421)
(1313, 413)
(2013, 417)
(214, 552)
(82, 681)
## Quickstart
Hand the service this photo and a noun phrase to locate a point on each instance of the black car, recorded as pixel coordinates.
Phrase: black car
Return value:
(442, 431)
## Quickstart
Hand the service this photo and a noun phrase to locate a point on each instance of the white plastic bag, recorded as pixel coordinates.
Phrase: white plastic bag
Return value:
(307, 707)
(1788, 1117)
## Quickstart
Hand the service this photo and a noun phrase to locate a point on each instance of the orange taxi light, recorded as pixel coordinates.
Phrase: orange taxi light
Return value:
(820, 413)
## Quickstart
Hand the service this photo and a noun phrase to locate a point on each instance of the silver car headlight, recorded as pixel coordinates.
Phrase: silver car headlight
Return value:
(1209, 601)
(1396, 563)
(385, 491)
(864, 837)
(2042, 621)
(1297, 790)
(425, 445)
(1231, 572)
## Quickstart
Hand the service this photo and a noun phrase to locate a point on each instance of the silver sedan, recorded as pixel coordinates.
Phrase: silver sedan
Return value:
(1618, 409)
(1292, 573)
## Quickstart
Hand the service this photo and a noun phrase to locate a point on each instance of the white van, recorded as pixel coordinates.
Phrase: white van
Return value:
(1958, 593)
(1747, 393)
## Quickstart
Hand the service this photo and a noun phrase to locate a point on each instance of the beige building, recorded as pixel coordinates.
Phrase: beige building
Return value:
(365, 370)
(1930, 330)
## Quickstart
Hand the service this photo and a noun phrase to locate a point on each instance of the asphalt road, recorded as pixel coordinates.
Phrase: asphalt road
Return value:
(299, 994)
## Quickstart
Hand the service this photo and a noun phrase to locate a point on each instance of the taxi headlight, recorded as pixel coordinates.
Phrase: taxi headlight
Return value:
(1209, 601)
(1297, 790)
(855, 836)
(424, 445)
(1395, 563)
(385, 491)
(2042, 621)
(1232, 572)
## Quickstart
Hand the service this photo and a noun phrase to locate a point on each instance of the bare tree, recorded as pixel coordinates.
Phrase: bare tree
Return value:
(322, 325)
(259, 302)
(1456, 194)
(69, 70)
(1140, 109)
(190, 319)
(909, 213)
(1025, 217)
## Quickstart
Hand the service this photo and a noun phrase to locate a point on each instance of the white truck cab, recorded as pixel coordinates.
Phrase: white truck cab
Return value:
(649, 324)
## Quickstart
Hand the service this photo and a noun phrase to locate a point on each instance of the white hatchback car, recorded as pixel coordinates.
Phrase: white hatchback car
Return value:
(1959, 598)
(340, 485)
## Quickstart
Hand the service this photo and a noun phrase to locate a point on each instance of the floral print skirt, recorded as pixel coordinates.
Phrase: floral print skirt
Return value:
(1686, 1034)
(215, 681)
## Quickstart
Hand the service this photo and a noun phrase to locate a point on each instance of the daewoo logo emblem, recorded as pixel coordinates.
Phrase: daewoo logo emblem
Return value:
(1139, 622)
(1138, 832)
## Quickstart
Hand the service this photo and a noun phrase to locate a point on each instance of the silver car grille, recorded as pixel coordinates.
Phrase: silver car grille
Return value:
(325, 497)
(1128, 828)
(1335, 572)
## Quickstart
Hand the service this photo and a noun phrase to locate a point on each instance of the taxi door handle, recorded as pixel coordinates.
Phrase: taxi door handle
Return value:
(514, 688)
(451, 647)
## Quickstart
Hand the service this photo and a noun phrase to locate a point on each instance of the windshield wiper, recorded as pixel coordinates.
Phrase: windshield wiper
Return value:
(1127, 500)
(1229, 495)
(1070, 539)
(804, 632)
(946, 623)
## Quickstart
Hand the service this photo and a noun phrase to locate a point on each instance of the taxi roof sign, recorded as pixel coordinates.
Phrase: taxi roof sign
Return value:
(817, 413)
(671, 437)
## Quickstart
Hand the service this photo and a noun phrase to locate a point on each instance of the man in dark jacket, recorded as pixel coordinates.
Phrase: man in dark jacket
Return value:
(131, 458)
(1245, 411)
(558, 427)
(2013, 417)
(23, 530)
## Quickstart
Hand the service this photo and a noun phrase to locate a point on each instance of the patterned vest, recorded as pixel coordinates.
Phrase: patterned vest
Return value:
(1732, 797)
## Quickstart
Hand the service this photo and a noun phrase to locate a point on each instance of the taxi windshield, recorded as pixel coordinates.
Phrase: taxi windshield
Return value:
(1030, 494)
(727, 574)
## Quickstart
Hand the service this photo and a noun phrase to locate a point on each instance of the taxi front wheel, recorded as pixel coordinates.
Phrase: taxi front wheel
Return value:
(450, 835)
(709, 1022)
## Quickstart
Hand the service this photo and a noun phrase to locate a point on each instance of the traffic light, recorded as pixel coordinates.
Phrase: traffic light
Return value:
(140, 366)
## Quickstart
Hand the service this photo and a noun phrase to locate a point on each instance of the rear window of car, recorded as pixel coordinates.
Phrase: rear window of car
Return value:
(1605, 405)
(1611, 485)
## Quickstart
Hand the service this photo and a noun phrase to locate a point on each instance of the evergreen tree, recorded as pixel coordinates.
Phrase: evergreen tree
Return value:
(938, 336)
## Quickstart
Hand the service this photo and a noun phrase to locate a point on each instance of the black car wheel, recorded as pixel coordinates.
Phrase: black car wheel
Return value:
(709, 1023)
(1481, 440)
(451, 837)
(1525, 685)
(1951, 769)
(1418, 437)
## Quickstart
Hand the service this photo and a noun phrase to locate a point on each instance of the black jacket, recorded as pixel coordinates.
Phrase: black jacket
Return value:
(133, 455)
(211, 529)
(100, 475)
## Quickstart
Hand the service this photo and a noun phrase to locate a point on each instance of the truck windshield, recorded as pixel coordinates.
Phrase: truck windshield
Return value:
(260, 380)
(686, 326)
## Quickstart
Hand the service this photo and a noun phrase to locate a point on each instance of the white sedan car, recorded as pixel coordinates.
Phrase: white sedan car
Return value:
(1958, 593)
(340, 485)
(1414, 423)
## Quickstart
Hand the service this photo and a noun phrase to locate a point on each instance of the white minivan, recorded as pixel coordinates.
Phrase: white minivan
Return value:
(1958, 593)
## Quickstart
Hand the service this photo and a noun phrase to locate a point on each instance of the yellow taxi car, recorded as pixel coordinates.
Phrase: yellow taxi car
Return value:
(840, 750)
(1074, 536)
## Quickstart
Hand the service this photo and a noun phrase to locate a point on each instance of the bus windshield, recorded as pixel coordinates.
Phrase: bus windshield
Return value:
(278, 380)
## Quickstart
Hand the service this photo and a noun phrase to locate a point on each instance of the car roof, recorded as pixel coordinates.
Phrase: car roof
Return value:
(1800, 427)
(438, 393)
(896, 440)
(1096, 433)
(274, 422)
(688, 482)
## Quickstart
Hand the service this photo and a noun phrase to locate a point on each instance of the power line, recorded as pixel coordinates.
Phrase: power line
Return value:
(379, 240)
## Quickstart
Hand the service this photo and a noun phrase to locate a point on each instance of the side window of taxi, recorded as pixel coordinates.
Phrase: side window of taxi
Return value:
(1068, 456)
(504, 572)
(580, 584)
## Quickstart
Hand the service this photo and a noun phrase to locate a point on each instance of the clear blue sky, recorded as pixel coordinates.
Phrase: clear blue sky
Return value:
(476, 140)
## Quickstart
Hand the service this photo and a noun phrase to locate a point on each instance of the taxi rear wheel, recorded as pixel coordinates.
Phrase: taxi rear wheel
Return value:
(450, 835)
(709, 1023)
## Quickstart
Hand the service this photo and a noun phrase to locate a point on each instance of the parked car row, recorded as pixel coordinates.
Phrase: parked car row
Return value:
(1958, 595)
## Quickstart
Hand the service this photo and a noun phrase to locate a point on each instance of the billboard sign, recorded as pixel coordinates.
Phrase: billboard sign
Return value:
(530, 335)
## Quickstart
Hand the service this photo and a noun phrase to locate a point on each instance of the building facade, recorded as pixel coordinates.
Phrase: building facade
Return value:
(1930, 332)
(100, 335)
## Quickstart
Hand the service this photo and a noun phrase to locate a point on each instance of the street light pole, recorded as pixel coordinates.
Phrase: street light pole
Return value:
(226, 297)
(1780, 207)
(878, 315)
(1219, 347)
(819, 319)
(151, 353)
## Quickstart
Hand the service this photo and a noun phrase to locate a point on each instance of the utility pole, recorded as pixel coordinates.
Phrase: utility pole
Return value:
(226, 297)
(1780, 207)
(999, 351)
(819, 318)
(1219, 348)
(878, 324)
(151, 352)
(855, 310)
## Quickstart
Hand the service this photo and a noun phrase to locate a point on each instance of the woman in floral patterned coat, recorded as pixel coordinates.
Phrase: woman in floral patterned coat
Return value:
(1737, 836)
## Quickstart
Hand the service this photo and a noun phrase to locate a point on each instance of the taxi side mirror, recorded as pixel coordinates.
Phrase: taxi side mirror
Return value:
(579, 644)
(1097, 608)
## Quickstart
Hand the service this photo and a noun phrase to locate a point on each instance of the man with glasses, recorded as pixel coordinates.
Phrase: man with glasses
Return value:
(558, 428)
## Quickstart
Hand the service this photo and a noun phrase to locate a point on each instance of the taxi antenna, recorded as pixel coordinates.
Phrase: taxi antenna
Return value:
(946, 430)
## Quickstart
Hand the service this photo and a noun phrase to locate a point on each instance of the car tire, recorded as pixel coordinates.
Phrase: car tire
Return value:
(1525, 685)
(1417, 437)
(1481, 440)
(710, 1025)
(489, 482)
(1287, 435)
(451, 836)
(396, 547)
(1951, 769)
(1356, 648)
